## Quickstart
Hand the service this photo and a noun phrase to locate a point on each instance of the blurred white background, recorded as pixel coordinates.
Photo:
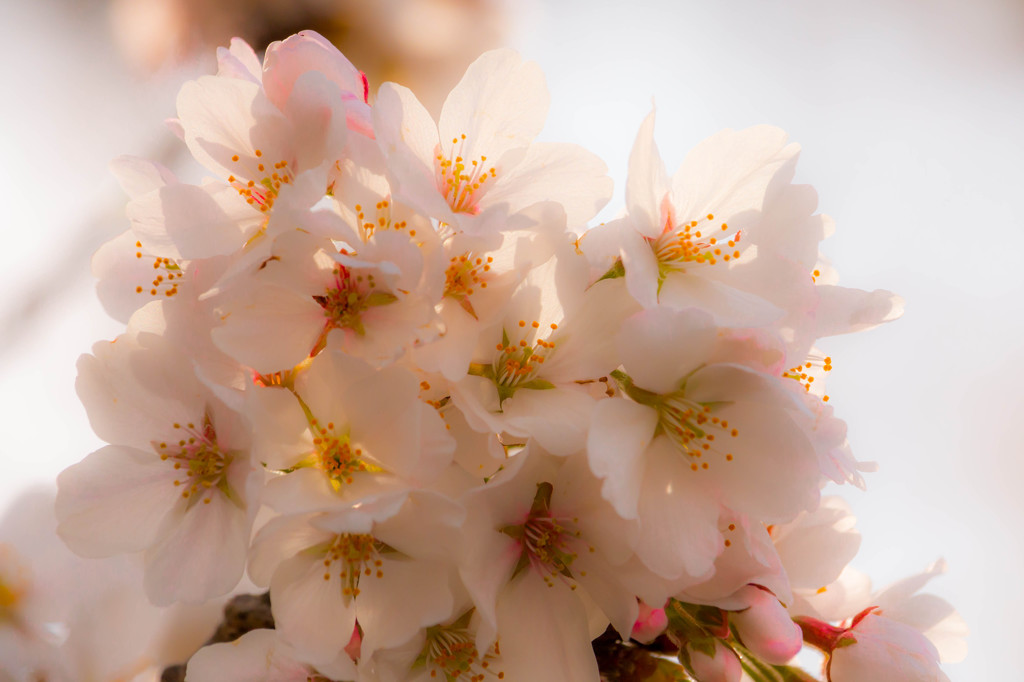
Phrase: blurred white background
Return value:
(910, 116)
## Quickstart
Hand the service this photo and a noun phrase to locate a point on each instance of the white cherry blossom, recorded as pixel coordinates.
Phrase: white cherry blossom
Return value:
(690, 436)
(175, 480)
(479, 164)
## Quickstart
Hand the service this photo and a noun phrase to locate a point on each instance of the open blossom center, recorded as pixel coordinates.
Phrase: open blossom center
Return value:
(806, 373)
(451, 651)
(693, 429)
(466, 274)
(264, 183)
(695, 242)
(198, 458)
(517, 364)
(335, 455)
(380, 220)
(690, 425)
(345, 301)
(547, 540)
(354, 556)
(463, 182)
(165, 279)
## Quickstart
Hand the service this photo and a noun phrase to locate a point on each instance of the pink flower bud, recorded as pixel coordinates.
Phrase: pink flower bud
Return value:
(722, 667)
(766, 628)
(649, 624)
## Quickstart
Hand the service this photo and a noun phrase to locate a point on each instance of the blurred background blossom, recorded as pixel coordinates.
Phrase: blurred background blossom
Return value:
(909, 115)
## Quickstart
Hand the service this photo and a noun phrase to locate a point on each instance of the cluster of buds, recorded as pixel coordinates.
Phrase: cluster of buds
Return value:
(385, 368)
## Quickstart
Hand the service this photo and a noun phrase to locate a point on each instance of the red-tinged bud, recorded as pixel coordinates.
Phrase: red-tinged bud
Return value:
(823, 636)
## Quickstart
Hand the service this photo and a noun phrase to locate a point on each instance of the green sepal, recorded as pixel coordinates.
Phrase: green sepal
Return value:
(667, 671)
(542, 500)
(229, 492)
(616, 271)
(380, 298)
(846, 639)
(467, 305)
(478, 369)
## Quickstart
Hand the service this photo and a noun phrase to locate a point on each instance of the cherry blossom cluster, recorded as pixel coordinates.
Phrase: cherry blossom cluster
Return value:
(385, 367)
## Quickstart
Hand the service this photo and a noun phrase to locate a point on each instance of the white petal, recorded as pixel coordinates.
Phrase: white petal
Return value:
(678, 517)
(500, 104)
(114, 501)
(543, 632)
(309, 610)
(270, 329)
(185, 221)
(620, 431)
(282, 538)
(660, 346)
(408, 137)
(410, 595)
(773, 474)
(557, 418)
(647, 182)
(139, 176)
(202, 555)
(574, 177)
(842, 310)
(729, 172)
(728, 306)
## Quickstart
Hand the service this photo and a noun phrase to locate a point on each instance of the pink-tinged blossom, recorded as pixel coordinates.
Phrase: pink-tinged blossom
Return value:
(895, 633)
(264, 138)
(729, 234)
(479, 277)
(479, 164)
(878, 648)
(175, 483)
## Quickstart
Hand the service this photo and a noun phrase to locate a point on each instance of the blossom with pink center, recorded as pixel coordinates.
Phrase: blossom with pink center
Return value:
(479, 164)
(308, 296)
(548, 566)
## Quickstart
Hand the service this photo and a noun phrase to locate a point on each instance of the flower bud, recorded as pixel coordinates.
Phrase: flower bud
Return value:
(649, 624)
(723, 666)
(766, 628)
